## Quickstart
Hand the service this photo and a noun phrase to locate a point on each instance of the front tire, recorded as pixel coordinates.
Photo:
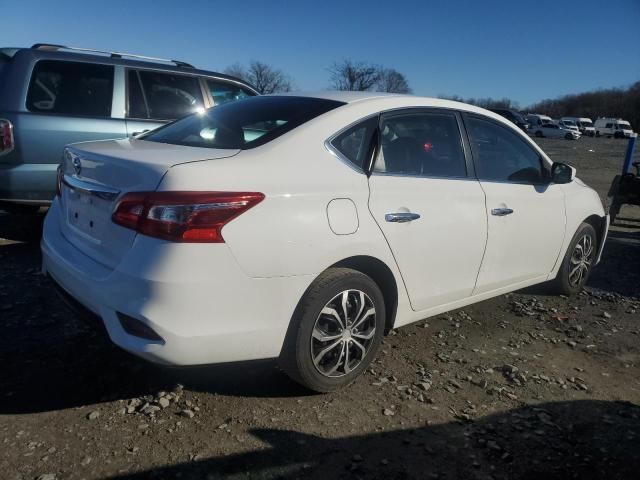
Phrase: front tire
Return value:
(539, 134)
(336, 330)
(578, 261)
(568, 136)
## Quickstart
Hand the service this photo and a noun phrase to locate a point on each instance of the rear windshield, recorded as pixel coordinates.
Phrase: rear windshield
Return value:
(242, 124)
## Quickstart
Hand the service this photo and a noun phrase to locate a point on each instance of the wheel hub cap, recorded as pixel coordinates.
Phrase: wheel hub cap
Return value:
(343, 333)
(581, 259)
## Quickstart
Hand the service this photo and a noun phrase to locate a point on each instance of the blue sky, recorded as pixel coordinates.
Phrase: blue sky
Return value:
(524, 50)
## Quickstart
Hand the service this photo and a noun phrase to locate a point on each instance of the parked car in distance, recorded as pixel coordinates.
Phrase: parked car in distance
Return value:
(568, 124)
(585, 125)
(555, 130)
(304, 227)
(514, 116)
(613, 127)
(52, 95)
(536, 120)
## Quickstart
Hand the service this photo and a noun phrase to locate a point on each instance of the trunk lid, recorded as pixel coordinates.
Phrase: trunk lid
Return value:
(96, 174)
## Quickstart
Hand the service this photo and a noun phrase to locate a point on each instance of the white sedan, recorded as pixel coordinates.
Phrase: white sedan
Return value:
(554, 130)
(305, 227)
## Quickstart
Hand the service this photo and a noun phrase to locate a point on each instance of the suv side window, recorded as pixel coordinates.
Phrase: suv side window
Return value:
(166, 96)
(501, 155)
(355, 143)
(223, 92)
(71, 88)
(421, 144)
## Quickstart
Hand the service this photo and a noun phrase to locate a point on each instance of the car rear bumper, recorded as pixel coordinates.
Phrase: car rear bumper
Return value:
(28, 183)
(194, 296)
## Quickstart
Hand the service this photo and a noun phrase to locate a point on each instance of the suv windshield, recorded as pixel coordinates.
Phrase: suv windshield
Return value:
(242, 124)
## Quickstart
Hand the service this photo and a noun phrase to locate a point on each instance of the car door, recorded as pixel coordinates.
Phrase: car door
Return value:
(155, 98)
(428, 205)
(525, 211)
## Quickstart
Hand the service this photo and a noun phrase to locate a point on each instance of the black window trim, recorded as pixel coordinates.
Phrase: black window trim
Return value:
(543, 162)
(71, 115)
(469, 167)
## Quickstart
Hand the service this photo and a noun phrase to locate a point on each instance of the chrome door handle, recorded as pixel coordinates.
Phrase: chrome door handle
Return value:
(401, 217)
(501, 212)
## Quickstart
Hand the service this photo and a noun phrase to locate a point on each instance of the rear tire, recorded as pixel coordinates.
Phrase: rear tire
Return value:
(578, 261)
(597, 133)
(336, 330)
(539, 134)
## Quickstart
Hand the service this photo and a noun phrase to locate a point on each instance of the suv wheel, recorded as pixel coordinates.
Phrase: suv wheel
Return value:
(578, 261)
(336, 330)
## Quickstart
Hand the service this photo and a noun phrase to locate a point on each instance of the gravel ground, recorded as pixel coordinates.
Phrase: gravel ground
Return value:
(526, 385)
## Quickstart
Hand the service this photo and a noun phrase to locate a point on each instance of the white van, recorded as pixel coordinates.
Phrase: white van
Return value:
(585, 125)
(616, 127)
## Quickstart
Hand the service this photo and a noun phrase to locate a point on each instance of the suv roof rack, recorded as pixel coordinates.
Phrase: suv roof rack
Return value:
(54, 48)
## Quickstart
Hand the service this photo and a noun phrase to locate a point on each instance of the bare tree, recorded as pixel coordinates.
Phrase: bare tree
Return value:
(265, 78)
(392, 81)
(355, 76)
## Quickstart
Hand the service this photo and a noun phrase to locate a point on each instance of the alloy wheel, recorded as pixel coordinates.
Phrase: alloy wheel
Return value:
(343, 333)
(581, 259)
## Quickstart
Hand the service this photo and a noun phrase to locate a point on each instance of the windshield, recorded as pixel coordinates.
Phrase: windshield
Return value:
(624, 126)
(569, 123)
(242, 124)
(545, 121)
(586, 123)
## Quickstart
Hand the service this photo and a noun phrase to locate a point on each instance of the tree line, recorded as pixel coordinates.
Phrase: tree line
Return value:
(344, 75)
(363, 76)
(610, 102)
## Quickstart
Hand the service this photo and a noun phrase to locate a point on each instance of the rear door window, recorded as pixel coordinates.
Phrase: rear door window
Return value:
(422, 145)
(71, 88)
(163, 95)
(223, 92)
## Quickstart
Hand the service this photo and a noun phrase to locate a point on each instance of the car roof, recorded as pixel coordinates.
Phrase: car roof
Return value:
(114, 58)
(350, 97)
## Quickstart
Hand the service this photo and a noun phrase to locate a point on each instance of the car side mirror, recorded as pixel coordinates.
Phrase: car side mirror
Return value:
(562, 173)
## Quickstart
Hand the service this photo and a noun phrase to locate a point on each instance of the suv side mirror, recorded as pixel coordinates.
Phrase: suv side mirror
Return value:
(562, 173)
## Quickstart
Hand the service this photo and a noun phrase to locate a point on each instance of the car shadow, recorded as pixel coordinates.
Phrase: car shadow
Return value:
(575, 439)
(51, 360)
(45, 348)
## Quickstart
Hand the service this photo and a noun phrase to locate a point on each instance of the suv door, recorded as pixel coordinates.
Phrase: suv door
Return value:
(155, 98)
(428, 205)
(525, 211)
(66, 102)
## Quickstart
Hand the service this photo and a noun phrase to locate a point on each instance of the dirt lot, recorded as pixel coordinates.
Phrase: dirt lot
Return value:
(526, 385)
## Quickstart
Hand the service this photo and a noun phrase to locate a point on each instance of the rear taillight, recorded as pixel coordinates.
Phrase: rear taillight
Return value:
(183, 216)
(6, 136)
